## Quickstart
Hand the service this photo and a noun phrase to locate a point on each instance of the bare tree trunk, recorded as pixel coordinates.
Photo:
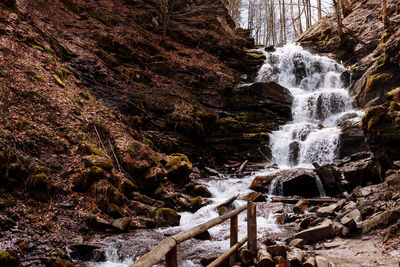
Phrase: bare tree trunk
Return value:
(319, 7)
(299, 18)
(292, 17)
(339, 19)
(284, 20)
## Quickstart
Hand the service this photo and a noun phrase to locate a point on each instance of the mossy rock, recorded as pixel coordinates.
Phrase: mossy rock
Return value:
(98, 161)
(127, 186)
(166, 217)
(8, 258)
(377, 80)
(40, 187)
(54, 262)
(394, 94)
(202, 191)
(87, 177)
(178, 167)
(91, 149)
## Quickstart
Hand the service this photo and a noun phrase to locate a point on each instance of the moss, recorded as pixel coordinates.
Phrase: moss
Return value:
(255, 135)
(38, 77)
(38, 47)
(166, 217)
(62, 73)
(84, 95)
(59, 81)
(91, 149)
(377, 78)
(51, 59)
(7, 259)
(385, 36)
(87, 177)
(98, 161)
(393, 94)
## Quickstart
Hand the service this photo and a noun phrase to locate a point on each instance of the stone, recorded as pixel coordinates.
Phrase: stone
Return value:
(316, 233)
(122, 224)
(348, 222)
(277, 250)
(98, 161)
(300, 206)
(261, 183)
(97, 222)
(355, 215)
(178, 167)
(83, 252)
(255, 197)
(202, 191)
(330, 178)
(393, 180)
(380, 220)
(55, 262)
(40, 187)
(166, 217)
(351, 139)
(297, 242)
(327, 211)
(321, 261)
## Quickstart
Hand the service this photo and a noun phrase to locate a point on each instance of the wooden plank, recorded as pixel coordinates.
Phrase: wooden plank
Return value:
(171, 259)
(218, 261)
(185, 235)
(154, 256)
(234, 238)
(251, 227)
(306, 200)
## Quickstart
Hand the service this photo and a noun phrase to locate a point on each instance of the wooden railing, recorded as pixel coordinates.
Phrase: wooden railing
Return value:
(168, 247)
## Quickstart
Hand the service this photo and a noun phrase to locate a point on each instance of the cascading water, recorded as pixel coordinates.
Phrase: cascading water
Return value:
(320, 101)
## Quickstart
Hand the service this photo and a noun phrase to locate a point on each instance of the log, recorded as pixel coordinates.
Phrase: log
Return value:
(185, 235)
(246, 256)
(295, 257)
(241, 168)
(264, 258)
(155, 255)
(306, 200)
(310, 262)
(218, 261)
(227, 202)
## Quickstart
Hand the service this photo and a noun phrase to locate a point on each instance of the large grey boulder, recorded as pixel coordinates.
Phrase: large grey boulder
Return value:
(316, 233)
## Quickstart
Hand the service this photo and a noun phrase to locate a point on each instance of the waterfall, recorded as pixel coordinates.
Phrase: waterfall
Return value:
(320, 99)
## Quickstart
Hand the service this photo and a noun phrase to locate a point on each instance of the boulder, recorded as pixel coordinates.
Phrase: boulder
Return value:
(328, 210)
(359, 173)
(351, 139)
(201, 191)
(300, 182)
(6, 223)
(84, 252)
(255, 197)
(122, 224)
(178, 167)
(330, 178)
(393, 180)
(55, 262)
(297, 242)
(316, 233)
(166, 217)
(322, 262)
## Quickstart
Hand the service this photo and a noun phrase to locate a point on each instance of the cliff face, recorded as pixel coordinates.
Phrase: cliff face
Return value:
(371, 49)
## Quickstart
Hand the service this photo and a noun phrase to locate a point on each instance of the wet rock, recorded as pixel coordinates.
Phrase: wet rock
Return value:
(330, 178)
(178, 167)
(203, 236)
(261, 183)
(294, 150)
(141, 209)
(202, 191)
(166, 217)
(54, 262)
(359, 173)
(83, 252)
(351, 139)
(327, 211)
(255, 197)
(317, 233)
(379, 220)
(122, 224)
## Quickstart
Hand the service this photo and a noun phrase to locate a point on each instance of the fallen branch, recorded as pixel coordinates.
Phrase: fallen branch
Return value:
(306, 200)
(240, 170)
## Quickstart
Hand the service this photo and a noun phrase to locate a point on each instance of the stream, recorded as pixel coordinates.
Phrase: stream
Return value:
(320, 103)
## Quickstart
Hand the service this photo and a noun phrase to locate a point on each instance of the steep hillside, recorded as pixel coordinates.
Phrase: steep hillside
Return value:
(102, 117)
(371, 49)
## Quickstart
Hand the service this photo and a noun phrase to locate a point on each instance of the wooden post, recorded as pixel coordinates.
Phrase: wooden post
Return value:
(251, 227)
(171, 258)
(234, 238)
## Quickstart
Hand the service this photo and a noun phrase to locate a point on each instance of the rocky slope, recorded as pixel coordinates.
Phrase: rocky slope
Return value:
(370, 48)
(102, 117)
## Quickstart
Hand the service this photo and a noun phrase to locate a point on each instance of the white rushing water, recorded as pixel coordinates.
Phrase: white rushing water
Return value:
(320, 101)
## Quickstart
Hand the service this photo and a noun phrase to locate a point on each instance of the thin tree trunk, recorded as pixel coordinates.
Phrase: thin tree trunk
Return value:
(319, 7)
(299, 19)
(336, 4)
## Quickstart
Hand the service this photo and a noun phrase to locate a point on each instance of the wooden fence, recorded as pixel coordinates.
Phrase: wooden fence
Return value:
(168, 247)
